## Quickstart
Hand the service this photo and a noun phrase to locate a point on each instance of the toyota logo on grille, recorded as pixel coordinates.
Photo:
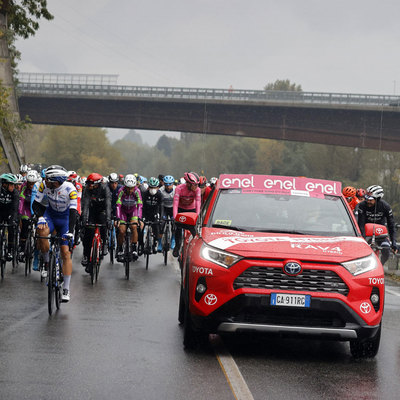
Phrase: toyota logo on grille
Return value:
(292, 268)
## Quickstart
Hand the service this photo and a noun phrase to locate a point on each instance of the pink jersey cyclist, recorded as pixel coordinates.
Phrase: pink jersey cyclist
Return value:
(187, 198)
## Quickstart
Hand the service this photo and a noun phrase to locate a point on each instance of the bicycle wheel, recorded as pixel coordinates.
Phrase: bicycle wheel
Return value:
(51, 277)
(165, 246)
(3, 257)
(111, 245)
(149, 246)
(41, 266)
(93, 262)
(57, 287)
(127, 254)
(98, 259)
(27, 254)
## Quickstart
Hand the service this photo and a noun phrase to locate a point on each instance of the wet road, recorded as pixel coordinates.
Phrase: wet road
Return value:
(120, 339)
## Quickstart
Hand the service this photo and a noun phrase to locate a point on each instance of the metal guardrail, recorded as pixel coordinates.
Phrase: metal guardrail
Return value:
(110, 90)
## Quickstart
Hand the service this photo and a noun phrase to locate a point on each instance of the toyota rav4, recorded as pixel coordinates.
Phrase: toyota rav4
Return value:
(280, 255)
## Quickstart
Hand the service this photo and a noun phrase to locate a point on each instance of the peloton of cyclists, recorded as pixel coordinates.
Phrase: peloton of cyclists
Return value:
(349, 192)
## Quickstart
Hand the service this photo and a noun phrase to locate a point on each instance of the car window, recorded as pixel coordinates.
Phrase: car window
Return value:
(325, 215)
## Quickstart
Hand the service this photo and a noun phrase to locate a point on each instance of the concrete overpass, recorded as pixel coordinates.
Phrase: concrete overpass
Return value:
(366, 121)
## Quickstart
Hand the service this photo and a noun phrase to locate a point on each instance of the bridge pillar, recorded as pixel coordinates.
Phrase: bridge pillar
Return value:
(12, 150)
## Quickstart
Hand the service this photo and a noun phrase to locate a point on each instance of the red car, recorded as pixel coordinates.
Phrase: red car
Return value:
(280, 255)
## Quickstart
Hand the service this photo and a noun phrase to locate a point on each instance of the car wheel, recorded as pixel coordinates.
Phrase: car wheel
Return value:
(366, 348)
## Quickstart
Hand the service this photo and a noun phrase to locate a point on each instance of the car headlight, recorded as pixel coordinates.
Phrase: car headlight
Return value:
(220, 257)
(361, 265)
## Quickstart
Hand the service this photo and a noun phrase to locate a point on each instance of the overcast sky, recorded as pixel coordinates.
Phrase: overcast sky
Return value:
(339, 46)
(349, 46)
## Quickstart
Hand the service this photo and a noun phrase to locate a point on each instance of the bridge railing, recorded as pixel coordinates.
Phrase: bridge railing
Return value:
(167, 93)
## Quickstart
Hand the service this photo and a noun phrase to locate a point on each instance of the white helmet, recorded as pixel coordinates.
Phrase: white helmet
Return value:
(20, 178)
(130, 181)
(32, 176)
(182, 180)
(23, 168)
(374, 191)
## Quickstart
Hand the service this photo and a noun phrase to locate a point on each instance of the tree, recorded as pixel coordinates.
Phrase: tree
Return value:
(133, 136)
(23, 18)
(283, 85)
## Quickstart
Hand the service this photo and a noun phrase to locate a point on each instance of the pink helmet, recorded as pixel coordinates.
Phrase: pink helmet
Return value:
(191, 177)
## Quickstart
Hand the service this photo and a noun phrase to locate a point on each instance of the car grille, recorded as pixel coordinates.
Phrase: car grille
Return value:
(315, 280)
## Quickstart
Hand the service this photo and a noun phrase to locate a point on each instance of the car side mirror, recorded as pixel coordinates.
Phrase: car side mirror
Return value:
(187, 220)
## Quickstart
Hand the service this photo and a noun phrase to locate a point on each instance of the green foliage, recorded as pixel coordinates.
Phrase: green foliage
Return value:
(23, 16)
(81, 149)
(283, 85)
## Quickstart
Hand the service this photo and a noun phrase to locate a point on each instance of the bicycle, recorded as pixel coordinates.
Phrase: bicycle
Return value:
(148, 239)
(166, 238)
(4, 249)
(55, 278)
(29, 247)
(126, 248)
(112, 243)
(95, 252)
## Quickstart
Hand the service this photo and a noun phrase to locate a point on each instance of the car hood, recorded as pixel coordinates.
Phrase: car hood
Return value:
(276, 245)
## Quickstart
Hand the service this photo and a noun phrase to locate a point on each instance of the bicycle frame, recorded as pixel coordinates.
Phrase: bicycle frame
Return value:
(95, 253)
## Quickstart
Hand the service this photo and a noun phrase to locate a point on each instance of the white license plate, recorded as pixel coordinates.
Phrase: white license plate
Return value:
(290, 300)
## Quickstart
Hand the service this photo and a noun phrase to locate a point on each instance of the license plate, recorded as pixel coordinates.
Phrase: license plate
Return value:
(290, 300)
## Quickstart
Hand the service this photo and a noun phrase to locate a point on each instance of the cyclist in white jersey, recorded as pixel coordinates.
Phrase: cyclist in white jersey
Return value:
(59, 216)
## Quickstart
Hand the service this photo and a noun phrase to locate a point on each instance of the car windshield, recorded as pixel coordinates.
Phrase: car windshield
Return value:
(326, 216)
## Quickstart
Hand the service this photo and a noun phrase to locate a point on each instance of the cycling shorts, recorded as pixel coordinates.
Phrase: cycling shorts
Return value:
(59, 223)
(129, 217)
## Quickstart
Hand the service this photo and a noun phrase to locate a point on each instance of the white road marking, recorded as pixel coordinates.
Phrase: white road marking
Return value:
(231, 371)
(392, 292)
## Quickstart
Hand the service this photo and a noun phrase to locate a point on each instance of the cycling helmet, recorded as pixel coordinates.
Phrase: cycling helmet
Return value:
(113, 177)
(349, 191)
(153, 182)
(94, 178)
(202, 181)
(20, 179)
(360, 193)
(374, 192)
(56, 173)
(213, 181)
(32, 176)
(130, 181)
(23, 169)
(72, 176)
(191, 177)
(43, 173)
(168, 180)
(8, 178)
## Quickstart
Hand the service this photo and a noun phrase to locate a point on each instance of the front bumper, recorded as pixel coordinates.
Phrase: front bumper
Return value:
(325, 319)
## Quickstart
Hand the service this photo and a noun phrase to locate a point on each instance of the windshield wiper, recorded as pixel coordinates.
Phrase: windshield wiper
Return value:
(233, 228)
(280, 231)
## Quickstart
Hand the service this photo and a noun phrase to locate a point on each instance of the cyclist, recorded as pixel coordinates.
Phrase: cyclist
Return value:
(114, 186)
(152, 200)
(9, 198)
(73, 177)
(360, 194)
(349, 192)
(129, 210)
(187, 199)
(59, 215)
(24, 209)
(375, 210)
(167, 193)
(205, 190)
(23, 171)
(213, 181)
(20, 182)
(96, 209)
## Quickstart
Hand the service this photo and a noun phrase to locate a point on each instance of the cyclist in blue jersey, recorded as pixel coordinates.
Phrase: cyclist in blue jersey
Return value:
(58, 216)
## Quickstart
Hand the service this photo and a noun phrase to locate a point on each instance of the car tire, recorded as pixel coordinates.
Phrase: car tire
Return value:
(366, 348)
